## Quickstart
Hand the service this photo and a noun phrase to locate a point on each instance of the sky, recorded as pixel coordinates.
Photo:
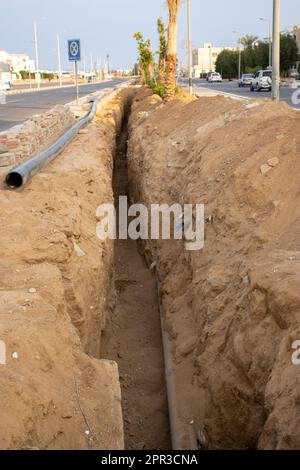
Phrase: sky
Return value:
(107, 26)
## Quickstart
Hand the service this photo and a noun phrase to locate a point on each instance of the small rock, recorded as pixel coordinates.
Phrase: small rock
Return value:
(83, 131)
(187, 347)
(32, 290)
(79, 252)
(273, 162)
(251, 105)
(15, 355)
(264, 169)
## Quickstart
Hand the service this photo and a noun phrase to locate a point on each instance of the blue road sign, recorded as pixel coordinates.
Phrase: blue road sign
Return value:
(74, 50)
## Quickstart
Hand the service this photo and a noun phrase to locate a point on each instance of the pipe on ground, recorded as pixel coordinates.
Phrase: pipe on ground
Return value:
(22, 173)
(176, 435)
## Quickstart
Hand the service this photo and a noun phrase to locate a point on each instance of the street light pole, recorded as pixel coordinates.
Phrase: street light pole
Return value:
(189, 47)
(276, 51)
(240, 58)
(108, 64)
(59, 61)
(240, 52)
(270, 41)
(37, 67)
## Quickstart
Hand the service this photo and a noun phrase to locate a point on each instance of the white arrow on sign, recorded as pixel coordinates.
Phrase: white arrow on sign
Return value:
(74, 49)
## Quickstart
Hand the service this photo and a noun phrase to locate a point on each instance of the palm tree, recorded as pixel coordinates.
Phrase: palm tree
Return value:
(163, 44)
(248, 41)
(171, 62)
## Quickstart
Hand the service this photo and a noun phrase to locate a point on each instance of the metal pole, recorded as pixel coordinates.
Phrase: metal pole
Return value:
(270, 41)
(276, 51)
(108, 64)
(240, 59)
(37, 67)
(270, 45)
(59, 61)
(76, 82)
(189, 47)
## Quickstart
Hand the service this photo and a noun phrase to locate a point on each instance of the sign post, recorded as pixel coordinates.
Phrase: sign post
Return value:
(74, 52)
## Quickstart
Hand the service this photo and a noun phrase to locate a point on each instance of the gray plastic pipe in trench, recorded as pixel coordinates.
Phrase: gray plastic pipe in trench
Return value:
(22, 173)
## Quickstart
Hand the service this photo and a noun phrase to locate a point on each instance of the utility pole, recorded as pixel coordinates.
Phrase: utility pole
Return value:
(108, 64)
(240, 58)
(59, 61)
(240, 52)
(190, 58)
(37, 67)
(76, 82)
(270, 41)
(276, 51)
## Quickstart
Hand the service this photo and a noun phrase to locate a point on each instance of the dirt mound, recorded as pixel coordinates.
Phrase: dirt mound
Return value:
(55, 285)
(232, 309)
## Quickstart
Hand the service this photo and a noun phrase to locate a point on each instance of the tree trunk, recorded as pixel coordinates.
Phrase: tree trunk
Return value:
(171, 57)
(161, 71)
(170, 77)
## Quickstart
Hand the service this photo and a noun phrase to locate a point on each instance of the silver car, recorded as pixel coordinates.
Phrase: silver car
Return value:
(246, 80)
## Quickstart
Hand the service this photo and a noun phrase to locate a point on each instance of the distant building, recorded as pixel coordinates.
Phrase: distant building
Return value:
(204, 58)
(17, 62)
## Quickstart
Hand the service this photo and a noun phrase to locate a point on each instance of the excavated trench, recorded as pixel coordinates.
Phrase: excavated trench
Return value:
(133, 334)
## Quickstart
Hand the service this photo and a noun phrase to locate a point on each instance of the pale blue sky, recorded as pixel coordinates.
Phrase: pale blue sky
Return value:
(107, 26)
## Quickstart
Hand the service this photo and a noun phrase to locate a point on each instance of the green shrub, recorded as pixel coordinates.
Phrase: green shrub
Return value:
(157, 88)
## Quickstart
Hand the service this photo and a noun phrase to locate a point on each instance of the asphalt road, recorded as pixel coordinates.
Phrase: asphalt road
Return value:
(19, 108)
(233, 88)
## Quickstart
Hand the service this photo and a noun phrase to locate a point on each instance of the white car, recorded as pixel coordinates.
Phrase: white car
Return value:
(215, 78)
(262, 81)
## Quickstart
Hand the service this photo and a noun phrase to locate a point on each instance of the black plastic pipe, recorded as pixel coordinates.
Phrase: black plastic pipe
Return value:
(21, 174)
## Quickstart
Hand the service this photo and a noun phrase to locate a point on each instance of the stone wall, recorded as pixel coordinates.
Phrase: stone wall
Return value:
(26, 140)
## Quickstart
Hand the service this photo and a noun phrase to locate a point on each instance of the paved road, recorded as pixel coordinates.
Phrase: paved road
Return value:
(232, 87)
(19, 108)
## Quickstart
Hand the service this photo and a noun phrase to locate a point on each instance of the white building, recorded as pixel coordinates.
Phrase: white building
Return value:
(204, 58)
(17, 62)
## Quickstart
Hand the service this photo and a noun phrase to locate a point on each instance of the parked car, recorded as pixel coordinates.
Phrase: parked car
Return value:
(262, 81)
(215, 78)
(246, 80)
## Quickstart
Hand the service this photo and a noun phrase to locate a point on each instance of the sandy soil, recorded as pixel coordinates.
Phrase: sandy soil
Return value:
(55, 293)
(232, 310)
(133, 336)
